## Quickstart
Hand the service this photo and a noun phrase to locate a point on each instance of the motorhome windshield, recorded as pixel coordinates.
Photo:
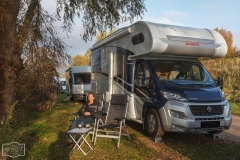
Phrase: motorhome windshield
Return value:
(178, 72)
(80, 78)
(63, 83)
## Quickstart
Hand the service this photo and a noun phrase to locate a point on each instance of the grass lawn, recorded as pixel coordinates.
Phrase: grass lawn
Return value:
(44, 136)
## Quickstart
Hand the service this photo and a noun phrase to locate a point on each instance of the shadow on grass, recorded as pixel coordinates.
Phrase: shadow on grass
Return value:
(57, 149)
(189, 145)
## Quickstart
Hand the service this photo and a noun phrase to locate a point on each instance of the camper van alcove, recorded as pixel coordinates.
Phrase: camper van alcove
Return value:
(158, 67)
(78, 82)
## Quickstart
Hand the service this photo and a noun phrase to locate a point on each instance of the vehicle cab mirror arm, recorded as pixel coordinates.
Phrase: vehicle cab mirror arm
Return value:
(220, 82)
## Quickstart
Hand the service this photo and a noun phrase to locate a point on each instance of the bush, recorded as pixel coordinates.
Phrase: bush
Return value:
(228, 69)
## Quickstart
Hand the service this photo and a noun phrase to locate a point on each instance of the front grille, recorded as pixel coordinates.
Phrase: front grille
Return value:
(207, 119)
(207, 110)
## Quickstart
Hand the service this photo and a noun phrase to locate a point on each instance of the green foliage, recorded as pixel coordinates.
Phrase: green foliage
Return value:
(8, 124)
(235, 108)
(99, 15)
(37, 86)
(82, 60)
(238, 53)
(228, 36)
(229, 70)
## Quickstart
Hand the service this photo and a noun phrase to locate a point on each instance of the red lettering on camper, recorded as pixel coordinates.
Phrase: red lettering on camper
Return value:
(192, 44)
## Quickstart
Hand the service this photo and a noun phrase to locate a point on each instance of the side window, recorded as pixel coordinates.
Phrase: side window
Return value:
(147, 75)
(120, 66)
(196, 72)
(139, 38)
(143, 72)
(96, 61)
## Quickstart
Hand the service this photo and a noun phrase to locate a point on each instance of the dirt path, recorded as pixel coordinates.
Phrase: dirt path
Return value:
(232, 134)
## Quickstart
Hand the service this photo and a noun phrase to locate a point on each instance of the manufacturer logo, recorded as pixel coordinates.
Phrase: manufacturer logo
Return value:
(13, 149)
(192, 44)
(193, 99)
(209, 109)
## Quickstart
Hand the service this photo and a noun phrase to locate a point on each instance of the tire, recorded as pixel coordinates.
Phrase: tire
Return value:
(153, 124)
(214, 132)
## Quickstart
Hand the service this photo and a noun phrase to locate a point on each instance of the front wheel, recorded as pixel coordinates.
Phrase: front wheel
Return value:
(153, 124)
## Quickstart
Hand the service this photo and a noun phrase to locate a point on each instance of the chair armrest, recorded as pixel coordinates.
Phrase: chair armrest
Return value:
(119, 119)
(98, 115)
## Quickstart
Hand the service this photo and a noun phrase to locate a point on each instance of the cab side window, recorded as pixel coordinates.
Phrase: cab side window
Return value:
(196, 72)
(143, 72)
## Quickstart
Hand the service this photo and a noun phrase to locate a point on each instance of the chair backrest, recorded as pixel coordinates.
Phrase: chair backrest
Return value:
(117, 108)
(173, 73)
(182, 72)
(99, 98)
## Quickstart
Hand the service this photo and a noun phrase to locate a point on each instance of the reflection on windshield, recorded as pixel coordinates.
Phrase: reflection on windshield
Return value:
(81, 78)
(178, 72)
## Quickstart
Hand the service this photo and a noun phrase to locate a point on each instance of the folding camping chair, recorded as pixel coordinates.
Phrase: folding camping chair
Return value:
(116, 116)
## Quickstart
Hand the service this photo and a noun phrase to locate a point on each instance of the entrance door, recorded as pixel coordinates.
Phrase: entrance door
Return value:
(141, 87)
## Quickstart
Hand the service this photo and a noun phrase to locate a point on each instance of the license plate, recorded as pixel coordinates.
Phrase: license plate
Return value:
(210, 124)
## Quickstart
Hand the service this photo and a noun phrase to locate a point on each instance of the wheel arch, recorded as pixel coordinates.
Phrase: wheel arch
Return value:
(146, 108)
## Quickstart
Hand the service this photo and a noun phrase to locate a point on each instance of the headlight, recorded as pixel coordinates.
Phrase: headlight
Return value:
(174, 96)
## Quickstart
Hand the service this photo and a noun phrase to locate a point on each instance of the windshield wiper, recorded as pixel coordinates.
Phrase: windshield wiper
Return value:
(201, 85)
(207, 85)
(165, 81)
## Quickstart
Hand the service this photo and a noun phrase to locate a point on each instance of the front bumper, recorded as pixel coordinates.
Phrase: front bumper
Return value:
(177, 117)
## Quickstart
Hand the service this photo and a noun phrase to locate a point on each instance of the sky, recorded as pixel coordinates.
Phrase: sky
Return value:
(199, 14)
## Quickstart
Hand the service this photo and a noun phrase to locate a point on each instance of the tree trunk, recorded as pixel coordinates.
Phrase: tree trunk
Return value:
(10, 60)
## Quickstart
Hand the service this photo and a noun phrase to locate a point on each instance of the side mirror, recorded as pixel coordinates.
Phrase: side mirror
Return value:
(220, 82)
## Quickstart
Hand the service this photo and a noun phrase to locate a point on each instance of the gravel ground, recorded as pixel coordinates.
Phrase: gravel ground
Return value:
(232, 134)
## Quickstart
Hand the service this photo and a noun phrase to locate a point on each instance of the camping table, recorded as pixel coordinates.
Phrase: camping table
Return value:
(83, 133)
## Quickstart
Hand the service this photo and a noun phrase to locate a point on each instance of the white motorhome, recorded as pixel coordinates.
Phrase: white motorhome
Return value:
(78, 82)
(158, 67)
(62, 82)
